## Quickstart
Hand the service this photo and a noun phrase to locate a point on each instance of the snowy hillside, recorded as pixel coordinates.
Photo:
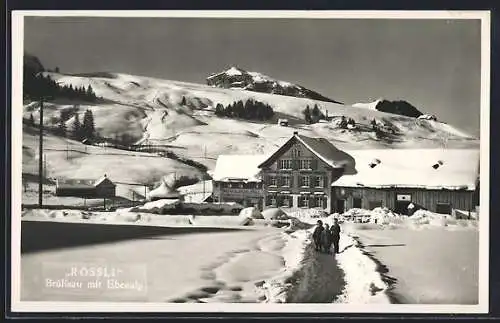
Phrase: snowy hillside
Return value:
(181, 117)
(238, 78)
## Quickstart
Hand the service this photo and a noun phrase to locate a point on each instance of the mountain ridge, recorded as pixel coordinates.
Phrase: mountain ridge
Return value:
(236, 77)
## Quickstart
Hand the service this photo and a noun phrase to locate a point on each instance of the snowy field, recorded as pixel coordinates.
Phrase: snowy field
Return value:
(217, 259)
(433, 265)
(195, 259)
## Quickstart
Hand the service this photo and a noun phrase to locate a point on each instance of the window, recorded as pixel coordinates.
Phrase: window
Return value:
(285, 181)
(272, 181)
(318, 181)
(304, 201)
(285, 164)
(304, 181)
(287, 201)
(242, 185)
(443, 208)
(318, 201)
(296, 152)
(356, 203)
(305, 164)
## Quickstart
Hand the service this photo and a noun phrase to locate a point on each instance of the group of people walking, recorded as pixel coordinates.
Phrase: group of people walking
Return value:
(324, 236)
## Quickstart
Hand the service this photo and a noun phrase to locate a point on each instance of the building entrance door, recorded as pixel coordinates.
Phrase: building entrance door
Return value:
(402, 202)
(340, 206)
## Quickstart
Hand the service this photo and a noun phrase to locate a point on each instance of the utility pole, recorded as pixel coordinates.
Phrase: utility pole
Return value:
(44, 166)
(40, 157)
(203, 178)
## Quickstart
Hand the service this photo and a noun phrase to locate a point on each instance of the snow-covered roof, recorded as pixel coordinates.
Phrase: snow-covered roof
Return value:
(322, 148)
(413, 168)
(102, 179)
(200, 187)
(238, 167)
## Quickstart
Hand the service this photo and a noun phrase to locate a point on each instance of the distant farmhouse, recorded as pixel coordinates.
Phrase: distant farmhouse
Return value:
(310, 172)
(85, 188)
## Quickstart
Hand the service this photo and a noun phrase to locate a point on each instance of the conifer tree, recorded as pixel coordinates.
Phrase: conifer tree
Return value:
(307, 114)
(219, 110)
(77, 128)
(88, 129)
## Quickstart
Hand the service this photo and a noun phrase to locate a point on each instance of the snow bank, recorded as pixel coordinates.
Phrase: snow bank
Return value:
(274, 214)
(383, 218)
(251, 212)
(277, 288)
(158, 206)
(382, 215)
(364, 284)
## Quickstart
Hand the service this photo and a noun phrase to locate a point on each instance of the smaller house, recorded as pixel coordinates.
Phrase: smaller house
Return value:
(236, 178)
(85, 188)
(283, 122)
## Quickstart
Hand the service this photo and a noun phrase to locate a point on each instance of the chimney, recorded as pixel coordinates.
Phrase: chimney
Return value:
(295, 133)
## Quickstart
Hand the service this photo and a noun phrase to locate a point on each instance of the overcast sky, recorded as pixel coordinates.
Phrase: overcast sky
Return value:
(433, 64)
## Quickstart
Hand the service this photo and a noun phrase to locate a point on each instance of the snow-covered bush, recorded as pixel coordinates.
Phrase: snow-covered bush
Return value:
(251, 212)
(274, 214)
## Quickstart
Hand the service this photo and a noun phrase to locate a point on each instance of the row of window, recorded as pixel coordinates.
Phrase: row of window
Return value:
(304, 181)
(250, 185)
(303, 201)
(296, 164)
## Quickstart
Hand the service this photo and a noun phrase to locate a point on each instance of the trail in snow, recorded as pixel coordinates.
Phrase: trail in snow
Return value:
(319, 281)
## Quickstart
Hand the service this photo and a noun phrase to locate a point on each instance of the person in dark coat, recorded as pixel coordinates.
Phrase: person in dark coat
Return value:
(326, 239)
(317, 235)
(335, 233)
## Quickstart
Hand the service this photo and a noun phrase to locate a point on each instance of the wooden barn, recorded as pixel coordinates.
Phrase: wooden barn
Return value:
(403, 180)
(85, 188)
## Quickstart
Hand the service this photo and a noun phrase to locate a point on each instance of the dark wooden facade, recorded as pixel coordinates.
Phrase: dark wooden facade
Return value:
(298, 178)
(398, 199)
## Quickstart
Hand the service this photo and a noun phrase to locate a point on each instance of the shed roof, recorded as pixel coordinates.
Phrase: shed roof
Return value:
(451, 169)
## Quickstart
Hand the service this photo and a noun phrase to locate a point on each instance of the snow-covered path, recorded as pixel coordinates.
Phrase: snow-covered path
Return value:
(319, 280)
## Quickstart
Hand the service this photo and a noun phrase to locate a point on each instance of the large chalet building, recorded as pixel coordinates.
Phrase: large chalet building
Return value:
(300, 173)
(310, 172)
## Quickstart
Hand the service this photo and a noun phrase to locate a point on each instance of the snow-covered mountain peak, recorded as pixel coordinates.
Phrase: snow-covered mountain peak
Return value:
(238, 78)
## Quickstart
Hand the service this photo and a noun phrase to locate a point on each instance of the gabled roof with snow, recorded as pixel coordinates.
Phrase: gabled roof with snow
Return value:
(238, 168)
(321, 147)
(452, 169)
(104, 180)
